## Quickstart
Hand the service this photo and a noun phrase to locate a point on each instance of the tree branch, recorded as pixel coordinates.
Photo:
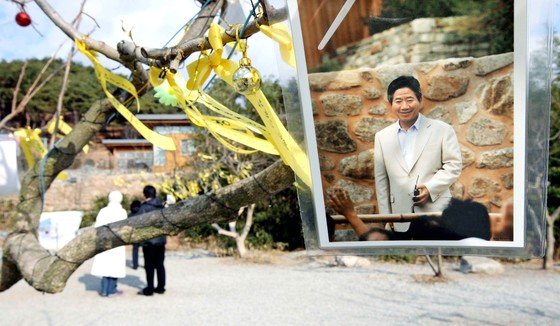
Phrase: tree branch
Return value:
(49, 273)
(163, 56)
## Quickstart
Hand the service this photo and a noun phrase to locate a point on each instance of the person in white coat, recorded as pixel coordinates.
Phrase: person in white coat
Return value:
(110, 264)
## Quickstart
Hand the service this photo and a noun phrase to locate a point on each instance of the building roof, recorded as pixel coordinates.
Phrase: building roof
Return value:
(112, 143)
(176, 119)
(162, 117)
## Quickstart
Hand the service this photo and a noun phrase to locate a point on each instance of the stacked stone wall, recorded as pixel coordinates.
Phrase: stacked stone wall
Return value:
(421, 40)
(474, 95)
(84, 185)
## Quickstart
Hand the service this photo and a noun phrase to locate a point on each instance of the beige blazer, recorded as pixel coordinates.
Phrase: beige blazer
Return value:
(437, 164)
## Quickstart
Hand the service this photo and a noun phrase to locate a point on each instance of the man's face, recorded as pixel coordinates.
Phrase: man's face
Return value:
(406, 106)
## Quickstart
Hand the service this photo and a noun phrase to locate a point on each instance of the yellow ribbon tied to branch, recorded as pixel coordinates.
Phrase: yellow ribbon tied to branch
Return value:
(274, 131)
(279, 33)
(104, 76)
(64, 128)
(32, 146)
(230, 125)
(30, 142)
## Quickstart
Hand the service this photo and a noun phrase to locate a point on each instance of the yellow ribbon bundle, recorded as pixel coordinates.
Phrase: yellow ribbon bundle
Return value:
(274, 132)
(272, 137)
(104, 76)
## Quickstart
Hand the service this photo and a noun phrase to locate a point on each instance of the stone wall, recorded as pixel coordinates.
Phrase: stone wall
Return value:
(84, 185)
(475, 96)
(421, 40)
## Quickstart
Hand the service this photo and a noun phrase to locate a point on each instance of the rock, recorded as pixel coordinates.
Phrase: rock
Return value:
(481, 187)
(457, 190)
(358, 166)
(426, 67)
(341, 104)
(352, 261)
(423, 25)
(483, 265)
(367, 127)
(441, 87)
(499, 158)
(326, 163)
(338, 80)
(358, 194)
(371, 93)
(440, 113)
(465, 111)
(378, 110)
(485, 132)
(457, 63)
(497, 97)
(387, 73)
(507, 180)
(333, 136)
(488, 64)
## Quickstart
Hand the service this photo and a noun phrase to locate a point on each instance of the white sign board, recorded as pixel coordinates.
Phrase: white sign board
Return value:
(56, 229)
(9, 181)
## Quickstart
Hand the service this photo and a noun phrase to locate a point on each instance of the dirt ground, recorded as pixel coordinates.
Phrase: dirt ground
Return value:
(295, 289)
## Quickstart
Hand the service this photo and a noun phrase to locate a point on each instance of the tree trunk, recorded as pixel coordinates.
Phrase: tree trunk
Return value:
(548, 259)
(24, 256)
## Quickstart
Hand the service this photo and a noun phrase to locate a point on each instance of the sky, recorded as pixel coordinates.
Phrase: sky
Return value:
(153, 23)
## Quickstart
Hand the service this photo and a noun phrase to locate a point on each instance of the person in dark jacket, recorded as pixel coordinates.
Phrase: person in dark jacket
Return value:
(153, 249)
(134, 207)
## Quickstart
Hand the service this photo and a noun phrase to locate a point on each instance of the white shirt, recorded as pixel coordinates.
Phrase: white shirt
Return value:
(407, 140)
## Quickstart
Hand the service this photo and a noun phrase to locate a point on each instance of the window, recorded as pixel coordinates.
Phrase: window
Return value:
(134, 160)
(159, 156)
(188, 147)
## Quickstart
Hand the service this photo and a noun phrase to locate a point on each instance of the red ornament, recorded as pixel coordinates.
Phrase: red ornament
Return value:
(23, 19)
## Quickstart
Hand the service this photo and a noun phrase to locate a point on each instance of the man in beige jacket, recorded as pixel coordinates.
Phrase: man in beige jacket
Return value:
(414, 152)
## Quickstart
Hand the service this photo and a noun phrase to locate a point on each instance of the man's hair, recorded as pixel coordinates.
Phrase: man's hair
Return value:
(149, 191)
(402, 82)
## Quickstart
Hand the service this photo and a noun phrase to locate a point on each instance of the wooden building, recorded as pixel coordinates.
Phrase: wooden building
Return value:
(138, 153)
(317, 16)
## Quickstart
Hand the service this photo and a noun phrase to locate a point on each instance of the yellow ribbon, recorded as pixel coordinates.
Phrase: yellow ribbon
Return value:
(30, 143)
(64, 128)
(104, 76)
(274, 131)
(279, 33)
(230, 125)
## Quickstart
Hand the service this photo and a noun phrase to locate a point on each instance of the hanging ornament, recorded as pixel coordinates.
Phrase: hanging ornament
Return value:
(246, 79)
(23, 19)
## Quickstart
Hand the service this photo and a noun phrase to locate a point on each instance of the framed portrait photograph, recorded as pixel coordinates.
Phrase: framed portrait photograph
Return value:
(420, 124)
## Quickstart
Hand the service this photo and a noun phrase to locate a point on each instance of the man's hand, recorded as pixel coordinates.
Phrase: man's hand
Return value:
(423, 197)
(339, 200)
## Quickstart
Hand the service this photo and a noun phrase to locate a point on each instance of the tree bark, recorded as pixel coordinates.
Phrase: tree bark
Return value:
(548, 259)
(24, 257)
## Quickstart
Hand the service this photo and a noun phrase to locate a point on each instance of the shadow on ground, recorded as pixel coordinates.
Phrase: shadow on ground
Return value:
(92, 283)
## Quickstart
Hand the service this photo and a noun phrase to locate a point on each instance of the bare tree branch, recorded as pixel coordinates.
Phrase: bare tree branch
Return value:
(23, 256)
(49, 273)
(33, 89)
(64, 85)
